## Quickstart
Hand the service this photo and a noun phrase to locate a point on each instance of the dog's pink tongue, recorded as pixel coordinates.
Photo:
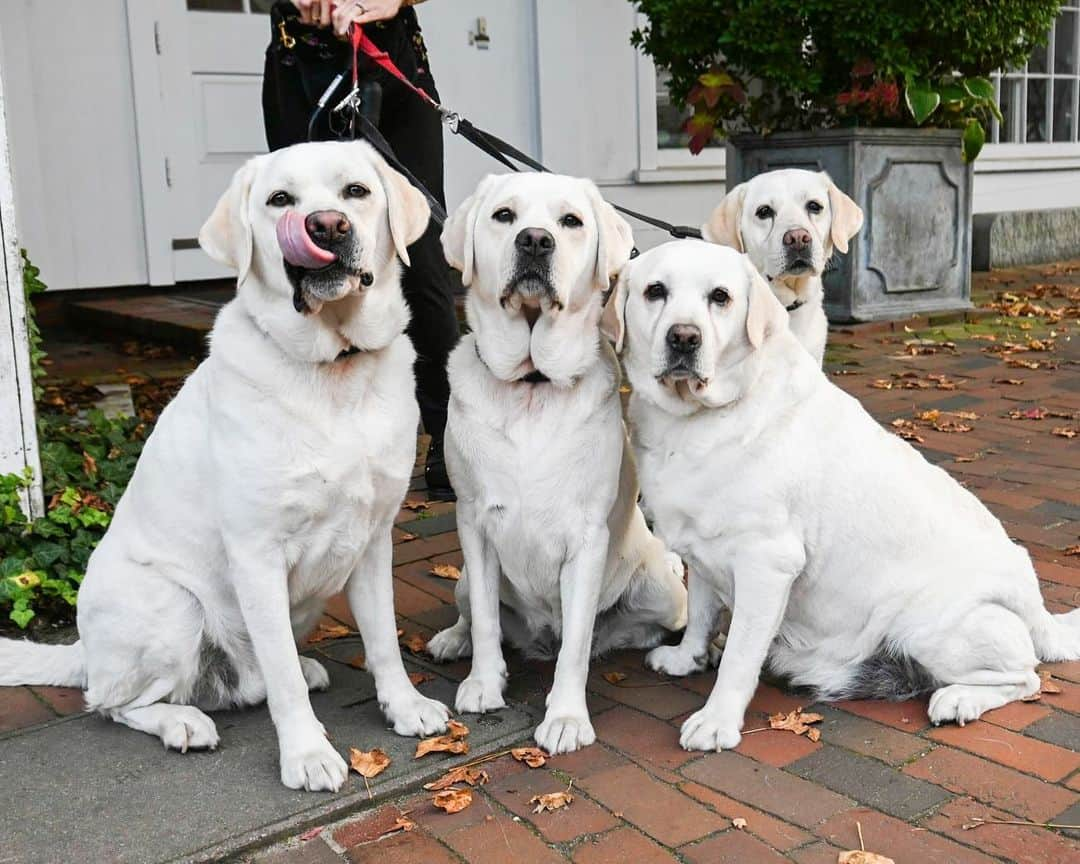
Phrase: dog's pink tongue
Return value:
(296, 244)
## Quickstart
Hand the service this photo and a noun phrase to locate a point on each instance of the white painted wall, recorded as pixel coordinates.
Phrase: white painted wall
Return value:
(72, 130)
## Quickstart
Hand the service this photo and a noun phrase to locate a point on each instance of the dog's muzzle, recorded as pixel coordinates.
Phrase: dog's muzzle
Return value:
(531, 278)
(321, 257)
(798, 252)
(683, 342)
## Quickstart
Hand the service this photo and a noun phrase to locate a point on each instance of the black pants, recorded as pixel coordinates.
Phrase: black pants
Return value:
(296, 75)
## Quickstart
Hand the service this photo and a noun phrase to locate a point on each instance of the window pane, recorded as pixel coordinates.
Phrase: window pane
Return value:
(1064, 109)
(215, 5)
(1010, 104)
(1036, 110)
(1065, 44)
(670, 118)
(1037, 61)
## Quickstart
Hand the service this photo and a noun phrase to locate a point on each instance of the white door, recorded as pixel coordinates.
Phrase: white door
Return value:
(198, 77)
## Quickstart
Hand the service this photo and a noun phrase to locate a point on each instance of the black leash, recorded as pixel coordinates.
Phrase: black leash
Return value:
(498, 149)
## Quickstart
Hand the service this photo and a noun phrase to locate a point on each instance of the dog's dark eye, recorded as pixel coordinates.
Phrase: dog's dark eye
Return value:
(504, 215)
(655, 291)
(814, 207)
(764, 212)
(719, 296)
(570, 221)
(280, 199)
(355, 190)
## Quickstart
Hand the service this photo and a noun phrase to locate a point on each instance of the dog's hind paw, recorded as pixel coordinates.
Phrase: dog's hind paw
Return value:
(453, 643)
(416, 716)
(476, 695)
(187, 728)
(705, 730)
(673, 660)
(315, 674)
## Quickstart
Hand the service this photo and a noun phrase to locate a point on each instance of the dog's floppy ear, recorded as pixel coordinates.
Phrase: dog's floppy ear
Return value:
(723, 225)
(407, 208)
(847, 218)
(764, 314)
(613, 318)
(460, 228)
(226, 235)
(614, 238)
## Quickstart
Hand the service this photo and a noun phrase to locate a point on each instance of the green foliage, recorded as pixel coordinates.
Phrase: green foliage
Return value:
(33, 285)
(86, 465)
(768, 65)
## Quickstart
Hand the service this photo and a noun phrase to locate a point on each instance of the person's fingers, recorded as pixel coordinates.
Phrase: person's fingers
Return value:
(379, 10)
(344, 14)
(325, 11)
(304, 8)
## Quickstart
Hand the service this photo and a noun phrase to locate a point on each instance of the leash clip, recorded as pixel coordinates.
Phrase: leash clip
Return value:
(450, 118)
(286, 40)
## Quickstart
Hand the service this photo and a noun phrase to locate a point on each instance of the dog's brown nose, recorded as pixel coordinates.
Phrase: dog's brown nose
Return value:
(797, 239)
(684, 338)
(535, 242)
(326, 226)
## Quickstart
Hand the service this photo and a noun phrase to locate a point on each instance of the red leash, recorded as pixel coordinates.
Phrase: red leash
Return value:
(362, 44)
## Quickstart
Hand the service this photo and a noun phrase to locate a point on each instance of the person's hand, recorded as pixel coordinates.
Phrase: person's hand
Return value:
(349, 12)
(317, 12)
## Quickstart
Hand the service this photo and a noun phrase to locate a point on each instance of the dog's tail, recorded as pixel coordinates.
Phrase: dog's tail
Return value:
(25, 662)
(1056, 637)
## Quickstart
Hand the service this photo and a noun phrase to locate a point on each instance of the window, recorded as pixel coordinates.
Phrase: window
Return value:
(670, 118)
(1039, 100)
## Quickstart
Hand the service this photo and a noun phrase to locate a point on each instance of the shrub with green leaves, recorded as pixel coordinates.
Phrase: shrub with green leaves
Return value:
(771, 65)
(86, 460)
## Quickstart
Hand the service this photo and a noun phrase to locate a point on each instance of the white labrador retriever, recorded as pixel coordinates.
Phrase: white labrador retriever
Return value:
(537, 451)
(852, 565)
(272, 479)
(789, 222)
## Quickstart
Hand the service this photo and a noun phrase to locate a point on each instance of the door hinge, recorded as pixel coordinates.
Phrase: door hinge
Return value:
(168, 173)
(157, 37)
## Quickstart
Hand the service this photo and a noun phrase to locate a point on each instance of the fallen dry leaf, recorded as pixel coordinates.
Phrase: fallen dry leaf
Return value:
(1015, 382)
(311, 834)
(406, 536)
(416, 643)
(453, 742)
(534, 757)
(441, 744)
(1065, 431)
(461, 774)
(452, 800)
(89, 465)
(738, 822)
(614, 677)
(328, 631)
(857, 856)
(368, 763)
(552, 800)
(403, 823)
(813, 734)
(1018, 363)
(446, 571)
(1048, 685)
(358, 662)
(795, 721)
(1071, 550)
(906, 430)
(418, 678)
(415, 505)
(1027, 414)
(881, 384)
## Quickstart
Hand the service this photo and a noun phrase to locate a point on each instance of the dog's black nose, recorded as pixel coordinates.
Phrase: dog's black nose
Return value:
(327, 226)
(535, 242)
(684, 338)
(797, 240)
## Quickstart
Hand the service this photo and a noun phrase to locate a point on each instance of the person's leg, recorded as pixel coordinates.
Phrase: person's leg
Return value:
(414, 131)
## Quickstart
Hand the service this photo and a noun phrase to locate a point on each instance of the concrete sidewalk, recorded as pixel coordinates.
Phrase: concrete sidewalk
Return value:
(638, 796)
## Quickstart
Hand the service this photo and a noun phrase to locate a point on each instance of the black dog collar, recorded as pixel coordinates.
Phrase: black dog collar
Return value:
(795, 305)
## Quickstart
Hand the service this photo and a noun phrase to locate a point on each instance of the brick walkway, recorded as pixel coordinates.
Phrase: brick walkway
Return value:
(911, 787)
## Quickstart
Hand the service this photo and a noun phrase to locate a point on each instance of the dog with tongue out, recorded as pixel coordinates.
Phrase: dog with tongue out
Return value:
(321, 257)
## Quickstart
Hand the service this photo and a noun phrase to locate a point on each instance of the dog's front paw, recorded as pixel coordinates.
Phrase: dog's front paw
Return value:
(453, 643)
(313, 764)
(315, 673)
(673, 660)
(706, 730)
(415, 715)
(478, 694)
(564, 732)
